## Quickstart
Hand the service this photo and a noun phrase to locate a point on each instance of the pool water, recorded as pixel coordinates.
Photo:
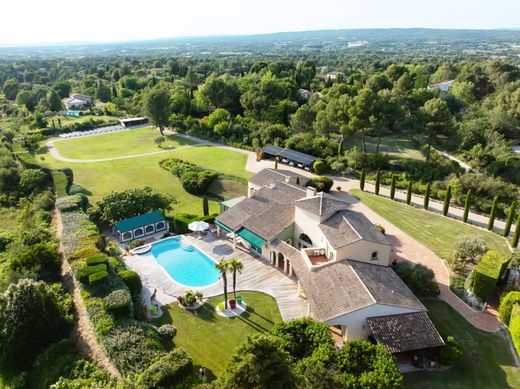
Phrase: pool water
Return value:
(184, 263)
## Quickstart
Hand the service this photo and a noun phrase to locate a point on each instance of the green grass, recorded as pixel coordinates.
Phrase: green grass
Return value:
(68, 120)
(436, 232)
(8, 216)
(100, 178)
(487, 361)
(396, 147)
(116, 144)
(211, 339)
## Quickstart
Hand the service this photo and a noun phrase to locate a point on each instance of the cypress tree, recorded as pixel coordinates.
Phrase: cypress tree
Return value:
(362, 179)
(467, 204)
(392, 187)
(492, 214)
(297, 180)
(427, 195)
(447, 200)
(409, 193)
(205, 206)
(510, 217)
(378, 181)
(517, 233)
(276, 163)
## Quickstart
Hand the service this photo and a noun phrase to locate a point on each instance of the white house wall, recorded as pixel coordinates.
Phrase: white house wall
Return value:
(362, 251)
(356, 322)
(306, 223)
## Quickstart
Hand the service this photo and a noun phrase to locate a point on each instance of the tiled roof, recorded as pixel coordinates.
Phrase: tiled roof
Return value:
(405, 332)
(266, 177)
(345, 227)
(322, 204)
(386, 286)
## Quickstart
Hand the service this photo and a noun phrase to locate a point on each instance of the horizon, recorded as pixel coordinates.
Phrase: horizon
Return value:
(37, 23)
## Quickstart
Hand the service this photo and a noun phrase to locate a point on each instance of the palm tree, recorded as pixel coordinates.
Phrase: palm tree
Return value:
(235, 266)
(222, 267)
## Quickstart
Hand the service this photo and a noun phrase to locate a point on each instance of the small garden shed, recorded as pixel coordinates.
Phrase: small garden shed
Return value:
(139, 226)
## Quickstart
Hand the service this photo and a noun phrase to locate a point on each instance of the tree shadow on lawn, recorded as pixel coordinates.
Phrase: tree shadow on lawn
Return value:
(245, 317)
(253, 311)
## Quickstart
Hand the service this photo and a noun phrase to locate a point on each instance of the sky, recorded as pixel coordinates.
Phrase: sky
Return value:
(57, 21)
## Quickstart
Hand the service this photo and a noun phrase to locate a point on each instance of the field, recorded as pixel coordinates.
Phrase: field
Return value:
(211, 339)
(116, 144)
(436, 232)
(395, 147)
(100, 178)
(486, 363)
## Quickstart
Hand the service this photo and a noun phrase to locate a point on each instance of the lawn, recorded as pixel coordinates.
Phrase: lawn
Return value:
(8, 216)
(211, 339)
(436, 232)
(100, 178)
(117, 144)
(487, 361)
(396, 147)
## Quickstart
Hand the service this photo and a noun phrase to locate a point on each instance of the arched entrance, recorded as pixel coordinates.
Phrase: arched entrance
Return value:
(280, 261)
(304, 241)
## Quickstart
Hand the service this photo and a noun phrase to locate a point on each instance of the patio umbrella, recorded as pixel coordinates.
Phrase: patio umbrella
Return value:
(198, 226)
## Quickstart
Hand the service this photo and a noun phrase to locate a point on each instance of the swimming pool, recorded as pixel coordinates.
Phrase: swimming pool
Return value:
(184, 263)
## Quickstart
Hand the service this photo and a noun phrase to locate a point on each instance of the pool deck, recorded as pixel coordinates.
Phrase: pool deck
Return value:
(257, 275)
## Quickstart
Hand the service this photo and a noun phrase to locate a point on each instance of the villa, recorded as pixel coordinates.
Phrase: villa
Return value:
(338, 257)
(77, 102)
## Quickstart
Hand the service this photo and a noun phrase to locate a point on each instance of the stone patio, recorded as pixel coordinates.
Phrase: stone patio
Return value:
(257, 275)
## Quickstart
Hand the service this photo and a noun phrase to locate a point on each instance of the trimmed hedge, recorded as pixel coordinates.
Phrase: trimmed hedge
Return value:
(506, 306)
(182, 220)
(61, 183)
(168, 371)
(487, 273)
(132, 280)
(96, 259)
(514, 326)
(97, 277)
(77, 189)
(85, 271)
(119, 303)
(69, 203)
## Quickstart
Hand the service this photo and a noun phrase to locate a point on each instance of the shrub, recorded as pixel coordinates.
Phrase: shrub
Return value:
(189, 297)
(168, 371)
(510, 217)
(83, 273)
(516, 236)
(319, 166)
(470, 248)
(167, 331)
(77, 189)
(419, 278)
(32, 180)
(469, 282)
(488, 272)
(69, 203)
(378, 182)
(514, 326)
(409, 193)
(132, 280)
(492, 213)
(182, 220)
(196, 182)
(119, 303)
(447, 200)
(427, 195)
(506, 306)
(452, 352)
(61, 183)
(362, 179)
(392, 187)
(97, 277)
(96, 259)
(322, 184)
(467, 204)
(135, 243)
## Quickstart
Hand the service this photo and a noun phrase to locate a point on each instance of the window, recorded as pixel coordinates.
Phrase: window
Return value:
(138, 232)
(306, 241)
(126, 236)
(256, 249)
(149, 229)
(374, 256)
(159, 226)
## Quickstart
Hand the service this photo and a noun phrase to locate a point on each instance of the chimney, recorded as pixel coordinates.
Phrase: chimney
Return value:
(311, 192)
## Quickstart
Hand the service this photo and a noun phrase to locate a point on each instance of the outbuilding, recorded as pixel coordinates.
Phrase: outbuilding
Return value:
(132, 122)
(139, 226)
(290, 157)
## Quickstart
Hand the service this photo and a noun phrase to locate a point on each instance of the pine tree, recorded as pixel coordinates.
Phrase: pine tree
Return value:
(409, 193)
(427, 195)
(392, 187)
(378, 181)
(205, 206)
(517, 233)
(362, 179)
(491, 222)
(467, 204)
(510, 217)
(447, 200)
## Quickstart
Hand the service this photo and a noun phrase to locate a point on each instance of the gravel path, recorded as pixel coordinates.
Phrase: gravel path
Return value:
(83, 333)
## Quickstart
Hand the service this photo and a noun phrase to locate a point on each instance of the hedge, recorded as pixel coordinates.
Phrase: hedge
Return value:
(514, 326)
(506, 306)
(85, 271)
(132, 280)
(119, 303)
(77, 189)
(168, 370)
(69, 203)
(97, 277)
(61, 183)
(182, 220)
(487, 273)
(96, 259)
